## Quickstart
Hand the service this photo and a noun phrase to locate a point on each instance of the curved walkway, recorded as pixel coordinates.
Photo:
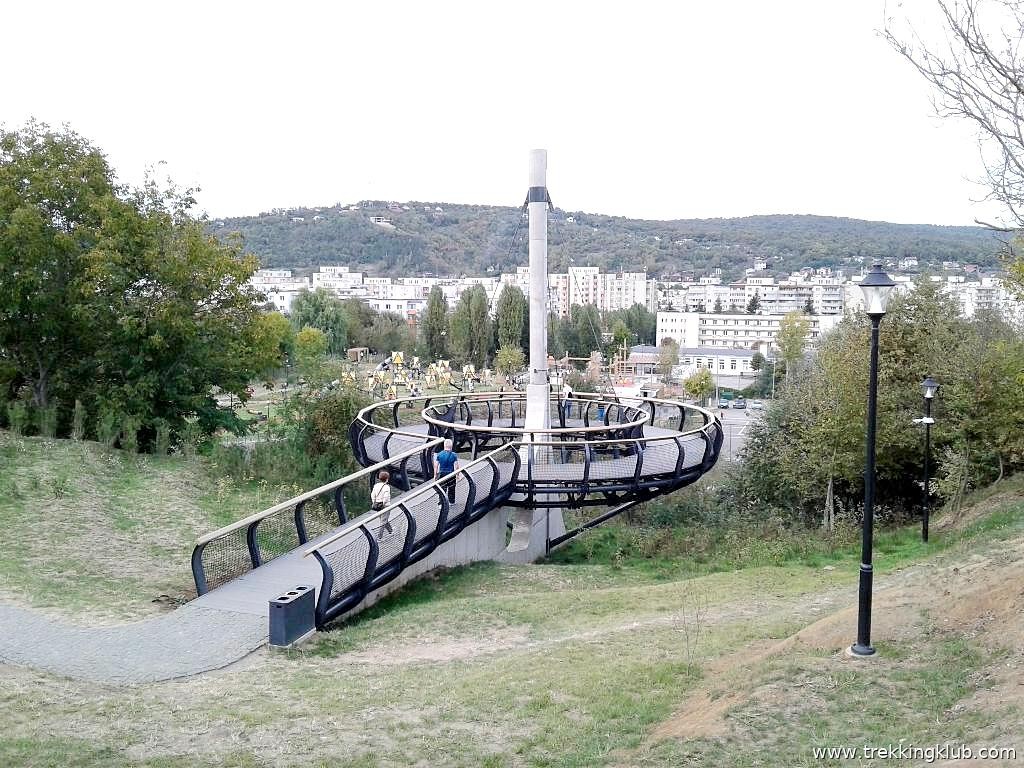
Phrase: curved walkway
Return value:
(188, 641)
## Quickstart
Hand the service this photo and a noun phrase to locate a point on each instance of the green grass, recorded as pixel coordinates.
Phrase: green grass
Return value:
(568, 663)
(88, 529)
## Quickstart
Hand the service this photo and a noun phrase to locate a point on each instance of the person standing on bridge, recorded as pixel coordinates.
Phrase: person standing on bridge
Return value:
(446, 462)
(380, 497)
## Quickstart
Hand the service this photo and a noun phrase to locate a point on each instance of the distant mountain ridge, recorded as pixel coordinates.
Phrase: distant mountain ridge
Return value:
(388, 238)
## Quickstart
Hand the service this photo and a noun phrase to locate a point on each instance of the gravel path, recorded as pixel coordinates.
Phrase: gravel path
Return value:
(186, 642)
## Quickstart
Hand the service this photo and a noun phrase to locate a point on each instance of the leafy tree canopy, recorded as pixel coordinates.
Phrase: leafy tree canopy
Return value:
(117, 297)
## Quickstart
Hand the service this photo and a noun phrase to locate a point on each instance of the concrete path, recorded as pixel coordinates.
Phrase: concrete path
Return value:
(188, 641)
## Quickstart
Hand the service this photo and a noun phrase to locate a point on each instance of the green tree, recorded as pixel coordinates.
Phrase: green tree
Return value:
(388, 333)
(117, 297)
(809, 306)
(320, 309)
(509, 360)
(310, 350)
(435, 324)
(757, 361)
(792, 338)
(556, 344)
(511, 316)
(717, 308)
(754, 305)
(668, 358)
(812, 439)
(700, 385)
(581, 332)
(641, 322)
(471, 327)
(58, 203)
(274, 339)
(621, 335)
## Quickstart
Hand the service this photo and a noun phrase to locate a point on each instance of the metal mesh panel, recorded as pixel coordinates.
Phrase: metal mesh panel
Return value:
(320, 517)
(276, 535)
(660, 457)
(695, 447)
(226, 558)
(426, 509)
(348, 561)
(390, 544)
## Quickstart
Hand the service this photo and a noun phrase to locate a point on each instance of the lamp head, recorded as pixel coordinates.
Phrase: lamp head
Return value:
(876, 287)
(929, 387)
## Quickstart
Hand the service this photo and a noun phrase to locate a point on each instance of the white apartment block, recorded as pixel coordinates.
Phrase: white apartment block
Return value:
(279, 287)
(825, 293)
(730, 330)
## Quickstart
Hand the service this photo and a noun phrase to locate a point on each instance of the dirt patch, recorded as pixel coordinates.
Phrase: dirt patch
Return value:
(980, 598)
(1012, 494)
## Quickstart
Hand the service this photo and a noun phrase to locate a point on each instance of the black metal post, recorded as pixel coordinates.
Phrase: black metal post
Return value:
(863, 645)
(927, 454)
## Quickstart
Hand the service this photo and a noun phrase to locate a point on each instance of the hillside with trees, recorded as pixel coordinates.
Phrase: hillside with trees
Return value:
(446, 239)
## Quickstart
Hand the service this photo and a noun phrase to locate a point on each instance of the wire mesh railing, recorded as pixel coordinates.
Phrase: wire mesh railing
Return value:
(229, 552)
(374, 548)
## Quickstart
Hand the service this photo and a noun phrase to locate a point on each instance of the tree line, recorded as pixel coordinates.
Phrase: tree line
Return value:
(120, 315)
(806, 458)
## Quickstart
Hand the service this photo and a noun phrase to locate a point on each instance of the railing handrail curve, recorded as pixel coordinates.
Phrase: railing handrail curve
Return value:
(281, 506)
(358, 522)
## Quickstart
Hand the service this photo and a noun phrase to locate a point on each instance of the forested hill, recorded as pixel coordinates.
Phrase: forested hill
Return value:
(446, 239)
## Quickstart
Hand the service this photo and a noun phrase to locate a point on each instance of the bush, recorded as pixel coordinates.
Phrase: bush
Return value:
(130, 434)
(162, 439)
(108, 426)
(18, 417)
(46, 420)
(78, 421)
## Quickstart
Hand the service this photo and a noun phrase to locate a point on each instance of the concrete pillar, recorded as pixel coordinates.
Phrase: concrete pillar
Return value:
(538, 390)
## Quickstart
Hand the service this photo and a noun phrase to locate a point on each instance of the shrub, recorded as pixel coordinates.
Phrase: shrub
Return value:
(108, 426)
(18, 417)
(78, 421)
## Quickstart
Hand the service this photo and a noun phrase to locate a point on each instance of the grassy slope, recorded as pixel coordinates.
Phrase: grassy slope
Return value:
(561, 664)
(88, 529)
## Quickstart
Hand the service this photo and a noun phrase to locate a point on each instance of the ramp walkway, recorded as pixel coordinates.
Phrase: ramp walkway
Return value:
(602, 453)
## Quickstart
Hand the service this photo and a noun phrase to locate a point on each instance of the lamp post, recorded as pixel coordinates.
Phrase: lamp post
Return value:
(929, 387)
(876, 287)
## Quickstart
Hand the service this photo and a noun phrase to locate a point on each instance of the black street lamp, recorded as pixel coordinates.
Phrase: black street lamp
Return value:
(876, 287)
(929, 387)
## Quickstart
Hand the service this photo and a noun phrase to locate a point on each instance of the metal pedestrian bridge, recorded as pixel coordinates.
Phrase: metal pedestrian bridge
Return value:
(603, 452)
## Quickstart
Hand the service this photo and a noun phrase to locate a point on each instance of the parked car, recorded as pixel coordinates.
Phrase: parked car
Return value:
(723, 403)
(740, 404)
(756, 405)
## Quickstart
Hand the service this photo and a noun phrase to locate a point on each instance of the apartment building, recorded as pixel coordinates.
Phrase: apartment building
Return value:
(733, 331)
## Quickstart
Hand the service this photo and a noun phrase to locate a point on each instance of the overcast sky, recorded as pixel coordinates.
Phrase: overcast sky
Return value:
(650, 110)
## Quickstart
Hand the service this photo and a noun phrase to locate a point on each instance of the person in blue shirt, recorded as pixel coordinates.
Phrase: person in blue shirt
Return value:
(445, 463)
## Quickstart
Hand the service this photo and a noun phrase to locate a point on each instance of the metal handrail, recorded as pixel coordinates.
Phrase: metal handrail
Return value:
(256, 517)
(365, 415)
(368, 517)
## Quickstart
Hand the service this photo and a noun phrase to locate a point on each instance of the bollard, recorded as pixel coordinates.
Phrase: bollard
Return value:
(292, 617)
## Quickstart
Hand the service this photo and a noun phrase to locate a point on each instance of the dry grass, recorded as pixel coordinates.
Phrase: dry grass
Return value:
(91, 530)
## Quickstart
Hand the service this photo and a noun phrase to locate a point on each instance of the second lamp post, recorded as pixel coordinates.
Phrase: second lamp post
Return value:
(928, 388)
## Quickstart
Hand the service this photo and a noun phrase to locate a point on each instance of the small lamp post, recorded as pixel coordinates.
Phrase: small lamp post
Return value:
(876, 287)
(929, 388)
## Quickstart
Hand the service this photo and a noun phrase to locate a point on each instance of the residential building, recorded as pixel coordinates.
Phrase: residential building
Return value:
(731, 330)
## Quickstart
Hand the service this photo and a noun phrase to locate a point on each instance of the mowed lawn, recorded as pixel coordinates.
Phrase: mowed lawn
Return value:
(561, 664)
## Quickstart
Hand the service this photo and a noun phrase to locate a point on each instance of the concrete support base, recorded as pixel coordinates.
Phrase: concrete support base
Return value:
(484, 540)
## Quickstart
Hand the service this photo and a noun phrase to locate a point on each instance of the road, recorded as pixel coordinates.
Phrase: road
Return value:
(737, 426)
